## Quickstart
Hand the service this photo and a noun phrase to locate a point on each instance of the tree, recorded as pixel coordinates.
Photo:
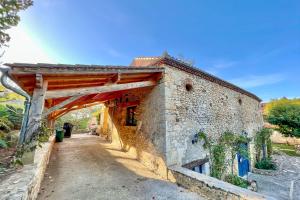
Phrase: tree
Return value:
(287, 119)
(7, 96)
(282, 101)
(9, 16)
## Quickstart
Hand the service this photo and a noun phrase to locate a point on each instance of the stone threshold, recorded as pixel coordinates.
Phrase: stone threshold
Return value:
(25, 183)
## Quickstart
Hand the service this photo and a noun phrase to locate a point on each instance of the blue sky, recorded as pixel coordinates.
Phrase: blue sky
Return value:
(254, 44)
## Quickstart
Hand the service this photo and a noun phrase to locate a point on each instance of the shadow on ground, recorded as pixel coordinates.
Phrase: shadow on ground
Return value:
(86, 167)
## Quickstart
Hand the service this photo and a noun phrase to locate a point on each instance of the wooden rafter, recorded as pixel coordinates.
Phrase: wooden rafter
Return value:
(60, 113)
(99, 89)
(61, 105)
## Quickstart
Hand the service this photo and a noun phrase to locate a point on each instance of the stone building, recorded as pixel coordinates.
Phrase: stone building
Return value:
(153, 108)
(168, 116)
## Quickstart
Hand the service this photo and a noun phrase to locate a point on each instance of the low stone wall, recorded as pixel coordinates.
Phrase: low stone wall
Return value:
(265, 172)
(209, 187)
(25, 183)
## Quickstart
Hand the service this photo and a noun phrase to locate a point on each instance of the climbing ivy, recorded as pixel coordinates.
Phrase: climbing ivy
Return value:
(228, 142)
(234, 145)
(39, 137)
(218, 161)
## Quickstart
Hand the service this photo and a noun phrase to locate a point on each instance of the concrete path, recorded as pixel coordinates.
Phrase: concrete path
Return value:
(85, 167)
(285, 185)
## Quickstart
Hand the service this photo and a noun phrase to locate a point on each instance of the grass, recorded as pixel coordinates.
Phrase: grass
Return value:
(287, 149)
(236, 180)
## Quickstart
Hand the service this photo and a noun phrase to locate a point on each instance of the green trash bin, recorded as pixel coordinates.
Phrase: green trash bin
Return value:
(59, 136)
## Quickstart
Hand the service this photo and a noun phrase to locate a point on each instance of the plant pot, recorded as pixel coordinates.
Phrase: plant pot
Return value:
(28, 157)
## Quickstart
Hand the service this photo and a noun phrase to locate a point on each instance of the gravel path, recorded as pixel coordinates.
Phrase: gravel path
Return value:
(285, 185)
(84, 167)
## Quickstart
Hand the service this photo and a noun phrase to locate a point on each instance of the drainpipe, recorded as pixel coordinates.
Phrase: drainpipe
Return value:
(5, 83)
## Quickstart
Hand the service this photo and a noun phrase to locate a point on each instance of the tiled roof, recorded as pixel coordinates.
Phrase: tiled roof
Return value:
(166, 59)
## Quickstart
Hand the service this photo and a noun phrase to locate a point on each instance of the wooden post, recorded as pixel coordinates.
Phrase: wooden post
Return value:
(50, 122)
(36, 108)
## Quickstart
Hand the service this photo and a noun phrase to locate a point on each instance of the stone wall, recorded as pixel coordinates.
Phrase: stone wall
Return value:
(210, 188)
(208, 106)
(277, 137)
(25, 183)
(147, 139)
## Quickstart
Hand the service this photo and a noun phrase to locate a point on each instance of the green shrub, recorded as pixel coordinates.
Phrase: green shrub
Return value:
(265, 164)
(5, 125)
(236, 180)
(15, 116)
(3, 144)
(218, 161)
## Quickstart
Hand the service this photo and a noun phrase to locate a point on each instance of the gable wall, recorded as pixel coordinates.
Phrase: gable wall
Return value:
(209, 106)
(146, 141)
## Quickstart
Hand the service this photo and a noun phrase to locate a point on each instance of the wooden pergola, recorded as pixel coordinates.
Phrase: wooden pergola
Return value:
(58, 89)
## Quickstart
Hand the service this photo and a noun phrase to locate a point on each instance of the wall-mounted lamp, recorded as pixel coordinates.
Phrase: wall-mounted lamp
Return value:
(195, 139)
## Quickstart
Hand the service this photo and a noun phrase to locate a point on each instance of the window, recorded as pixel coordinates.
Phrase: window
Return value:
(202, 169)
(130, 116)
(199, 169)
(188, 87)
(240, 101)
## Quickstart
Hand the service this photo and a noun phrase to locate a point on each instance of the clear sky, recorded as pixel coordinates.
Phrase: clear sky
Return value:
(254, 44)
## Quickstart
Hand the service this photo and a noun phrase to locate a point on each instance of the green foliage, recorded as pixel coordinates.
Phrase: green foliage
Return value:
(234, 144)
(263, 145)
(218, 161)
(7, 96)
(7, 137)
(15, 115)
(236, 180)
(83, 123)
(287, 118)
(40, 136)
(279, 102)
(269, 148)
(287, 149)
(3, 144)
(265, 164)
(228, 143)
(97, 114)
(5, 128)
(207, 142)
(9, 16)
(262, 138)
(5, 125)
(44, 133)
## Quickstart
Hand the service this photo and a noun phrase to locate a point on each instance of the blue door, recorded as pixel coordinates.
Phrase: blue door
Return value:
(243, 163)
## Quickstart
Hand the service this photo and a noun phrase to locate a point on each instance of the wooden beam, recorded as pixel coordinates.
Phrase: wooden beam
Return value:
(100, 89)
(69, 85)
(60, 105)
(38, 81)
(116, 78)
(85, 70)
(65, 111)
(35, 111)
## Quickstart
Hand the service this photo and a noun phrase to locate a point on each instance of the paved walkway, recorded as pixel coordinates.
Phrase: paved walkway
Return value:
(85, 167)
(285, 185)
